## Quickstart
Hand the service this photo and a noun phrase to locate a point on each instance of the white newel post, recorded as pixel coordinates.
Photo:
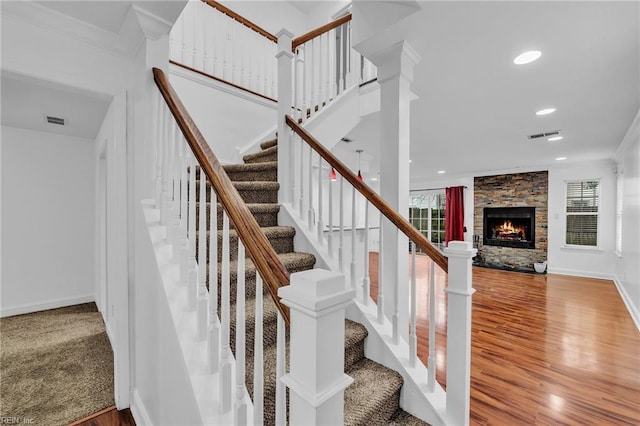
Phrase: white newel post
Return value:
(285, 102)
(317, 299)
(395, 73)
(459, 293)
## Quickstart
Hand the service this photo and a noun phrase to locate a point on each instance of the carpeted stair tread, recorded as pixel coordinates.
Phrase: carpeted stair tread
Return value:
(354, 335)
(269, 154)
(258, 192)
(269, 143)
(374, 396)
(293, 262)
(269, 323)
(402, 418)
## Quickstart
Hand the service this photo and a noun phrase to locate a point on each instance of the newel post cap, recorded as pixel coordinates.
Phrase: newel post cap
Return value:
(315, 291)
(460, 249)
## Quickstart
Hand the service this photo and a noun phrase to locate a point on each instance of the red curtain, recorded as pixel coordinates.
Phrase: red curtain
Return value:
(454, 214)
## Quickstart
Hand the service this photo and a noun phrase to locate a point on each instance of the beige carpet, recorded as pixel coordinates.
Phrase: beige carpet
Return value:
(56, 366)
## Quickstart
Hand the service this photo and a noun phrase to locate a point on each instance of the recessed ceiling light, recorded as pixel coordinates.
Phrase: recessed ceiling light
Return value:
(373, 179)
(440, 172)
(561, 158)
(527, 57)
(545, 111)
(555, 138)
(410, 161)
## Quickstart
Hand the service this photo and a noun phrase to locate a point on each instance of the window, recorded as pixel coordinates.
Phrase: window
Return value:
(619, 204)
(583, 200)
(426, 213)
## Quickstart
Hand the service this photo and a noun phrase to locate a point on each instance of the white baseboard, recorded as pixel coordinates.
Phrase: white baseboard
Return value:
(43, 306)
(633, 310)
(584, 274)
(139, 412)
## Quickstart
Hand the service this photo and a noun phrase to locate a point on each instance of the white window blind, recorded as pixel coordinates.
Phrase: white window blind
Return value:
(583, 201)
(619, 204)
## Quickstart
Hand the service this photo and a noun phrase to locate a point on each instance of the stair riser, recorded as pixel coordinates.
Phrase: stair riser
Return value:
(250, 196)
(263, 219)
(279, 244)
(250, 281)
(262, 159)
(270, 175)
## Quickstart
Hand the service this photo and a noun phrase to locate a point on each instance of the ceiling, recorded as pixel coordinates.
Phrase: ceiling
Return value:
(26, 102)
(476, 107)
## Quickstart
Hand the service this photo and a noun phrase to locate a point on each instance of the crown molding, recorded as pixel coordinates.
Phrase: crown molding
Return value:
(125, 43)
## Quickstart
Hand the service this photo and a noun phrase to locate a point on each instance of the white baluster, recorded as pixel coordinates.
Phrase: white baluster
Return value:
(225, 382)
(177, 198)
(365, 280)
(431, 361)
(330, 236)
(321, 178)
(193, 23)
(327, 67)
(341, 227)
(184, 237)
(301, 165)
(395, 319)
(413, 339)
(216, 39)
(258, 359)
(207, 58)
(380, 299)
(241, 404)
(171, 179)
(202, 259)
(313, 79)
(321, 64)
(281, 362)
(213, 343)
(353, 238)
(341, 66)
(158, 130)
(187, 36)
(192, 289)
(305, 80)
(299, 84)
(310, 219)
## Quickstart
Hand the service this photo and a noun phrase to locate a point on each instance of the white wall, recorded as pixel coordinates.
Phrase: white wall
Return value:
(582, 262)
(627, 266)
(47, 220)
(228, 118)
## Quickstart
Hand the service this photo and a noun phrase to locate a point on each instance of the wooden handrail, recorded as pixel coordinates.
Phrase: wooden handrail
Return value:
(403, 224)
(264, 257)
(319, 31)
(244, 21)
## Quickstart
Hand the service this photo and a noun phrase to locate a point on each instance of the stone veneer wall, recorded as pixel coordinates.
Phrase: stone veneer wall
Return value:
(515, 190)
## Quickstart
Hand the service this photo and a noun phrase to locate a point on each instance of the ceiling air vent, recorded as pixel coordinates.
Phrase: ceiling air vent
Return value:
(55, 120)
(544, 135)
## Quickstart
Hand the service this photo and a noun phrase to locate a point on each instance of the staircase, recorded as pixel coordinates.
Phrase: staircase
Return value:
(374, 397)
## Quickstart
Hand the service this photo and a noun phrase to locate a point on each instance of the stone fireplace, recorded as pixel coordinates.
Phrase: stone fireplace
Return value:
(510, 220)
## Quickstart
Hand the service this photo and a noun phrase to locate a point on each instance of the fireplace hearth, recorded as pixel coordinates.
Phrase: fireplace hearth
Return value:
(510, 227)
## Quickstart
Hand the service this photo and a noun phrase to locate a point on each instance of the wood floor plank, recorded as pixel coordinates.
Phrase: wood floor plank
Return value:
(108, 417)
(546, 349)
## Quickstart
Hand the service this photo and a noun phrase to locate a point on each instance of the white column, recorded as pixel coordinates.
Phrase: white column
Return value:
(285, 102)
(459, 293)
(395, 74)
(316, 379)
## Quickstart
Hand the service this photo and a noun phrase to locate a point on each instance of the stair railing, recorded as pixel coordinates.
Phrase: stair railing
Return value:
(324, 181)
(325, 66)
(184, 163)
(213, 40)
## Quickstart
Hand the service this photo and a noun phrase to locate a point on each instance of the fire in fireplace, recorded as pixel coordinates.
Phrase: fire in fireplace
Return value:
(510, 227)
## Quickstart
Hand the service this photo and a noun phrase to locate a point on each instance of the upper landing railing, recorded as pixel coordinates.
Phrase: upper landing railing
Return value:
(213, 40)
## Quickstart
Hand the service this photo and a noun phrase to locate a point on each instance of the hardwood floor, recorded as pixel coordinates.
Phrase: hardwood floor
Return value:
(110, 416)
(546, 349)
